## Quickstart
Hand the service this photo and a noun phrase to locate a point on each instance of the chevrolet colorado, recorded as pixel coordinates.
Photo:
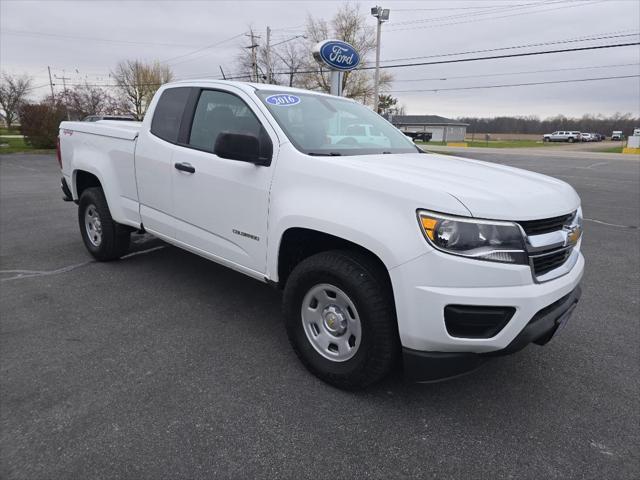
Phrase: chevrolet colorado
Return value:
(388, 256)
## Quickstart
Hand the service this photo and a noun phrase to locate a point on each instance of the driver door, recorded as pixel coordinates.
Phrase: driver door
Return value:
(221, 205)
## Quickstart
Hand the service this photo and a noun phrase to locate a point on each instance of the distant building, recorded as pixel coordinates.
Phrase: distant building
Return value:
(442, 129)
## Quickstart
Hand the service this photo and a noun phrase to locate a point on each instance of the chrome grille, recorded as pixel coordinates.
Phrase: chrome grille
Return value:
(547, 246)
(538, 227)
(545, 263)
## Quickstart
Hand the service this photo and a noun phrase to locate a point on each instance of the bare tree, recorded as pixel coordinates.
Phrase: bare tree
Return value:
(138, 82)
(13, 92)
(85, 99)
(291, 55)
(293, 63)
(350, 26)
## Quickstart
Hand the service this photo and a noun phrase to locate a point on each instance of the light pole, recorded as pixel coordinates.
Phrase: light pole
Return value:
(382, 15)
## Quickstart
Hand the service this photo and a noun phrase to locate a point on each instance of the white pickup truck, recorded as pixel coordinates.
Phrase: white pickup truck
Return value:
(389, 257)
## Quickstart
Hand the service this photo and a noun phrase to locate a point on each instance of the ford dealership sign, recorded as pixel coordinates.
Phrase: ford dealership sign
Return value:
(337, 55)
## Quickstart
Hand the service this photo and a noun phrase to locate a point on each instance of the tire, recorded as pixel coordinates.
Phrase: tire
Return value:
(570, 140)
(373, 349)
(545, 139)
(105, 239)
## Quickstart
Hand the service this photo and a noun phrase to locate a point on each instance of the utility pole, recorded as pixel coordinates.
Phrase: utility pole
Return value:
(64, 87)
(254, 55)
(268, 56)
(382, 15)
(64, 80)
(50, 83)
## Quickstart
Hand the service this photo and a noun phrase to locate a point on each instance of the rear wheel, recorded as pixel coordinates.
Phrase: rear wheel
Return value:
(340, 319)
(105, 239)
(570, 140)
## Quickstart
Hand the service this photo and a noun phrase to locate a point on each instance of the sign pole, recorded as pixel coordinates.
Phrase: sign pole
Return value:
(336, 83)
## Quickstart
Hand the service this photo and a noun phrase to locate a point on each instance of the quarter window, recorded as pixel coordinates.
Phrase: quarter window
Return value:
(219, 112)
(168, 113)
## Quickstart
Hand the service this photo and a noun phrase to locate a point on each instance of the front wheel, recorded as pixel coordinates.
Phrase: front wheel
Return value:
(105, 239)
(340, 319)
(570, 140)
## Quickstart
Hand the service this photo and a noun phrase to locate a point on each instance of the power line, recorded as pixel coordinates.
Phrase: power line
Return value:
(493, 18)
(511, 55)
(602, 36)
(492, 57)
(106, 40)
(461, 60)
(520, 73)
(478, 87)
(477, 7)
(496, 9)
(450, 54)
(201, 49)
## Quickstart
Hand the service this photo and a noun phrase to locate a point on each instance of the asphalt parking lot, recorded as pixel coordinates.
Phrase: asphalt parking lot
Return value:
(165, 365)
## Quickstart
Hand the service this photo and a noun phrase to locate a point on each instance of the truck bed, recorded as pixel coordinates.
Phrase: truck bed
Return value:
(105, 149)
(106, 128)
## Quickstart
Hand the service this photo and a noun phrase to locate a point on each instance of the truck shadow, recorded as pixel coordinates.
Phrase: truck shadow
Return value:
(248, 305)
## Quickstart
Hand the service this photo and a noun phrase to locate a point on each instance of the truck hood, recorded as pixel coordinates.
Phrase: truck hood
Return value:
(486, 189)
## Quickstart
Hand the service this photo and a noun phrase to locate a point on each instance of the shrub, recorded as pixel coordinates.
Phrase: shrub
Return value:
(40, 122)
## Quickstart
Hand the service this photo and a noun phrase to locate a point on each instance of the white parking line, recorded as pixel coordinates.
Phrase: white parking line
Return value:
(19, 274)
(610, 224)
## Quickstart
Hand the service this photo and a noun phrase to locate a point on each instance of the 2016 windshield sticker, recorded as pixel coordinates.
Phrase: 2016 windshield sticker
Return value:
(283, 100)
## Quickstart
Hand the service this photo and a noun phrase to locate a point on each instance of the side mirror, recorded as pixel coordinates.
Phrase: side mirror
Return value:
(244, 148)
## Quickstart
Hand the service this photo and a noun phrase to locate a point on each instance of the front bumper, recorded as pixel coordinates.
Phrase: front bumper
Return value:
(426, 285)
(431, 366)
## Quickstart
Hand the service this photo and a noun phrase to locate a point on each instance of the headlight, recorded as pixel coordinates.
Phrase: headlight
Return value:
(468, 237)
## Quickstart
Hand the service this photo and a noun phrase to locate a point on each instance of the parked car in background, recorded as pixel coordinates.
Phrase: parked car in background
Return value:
(419, 136)
(599, 137)
(587, 137)
(562, 136)
(95, 118)
(616, 135)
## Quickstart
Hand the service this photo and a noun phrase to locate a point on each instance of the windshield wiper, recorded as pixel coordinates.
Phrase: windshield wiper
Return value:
(321, 154)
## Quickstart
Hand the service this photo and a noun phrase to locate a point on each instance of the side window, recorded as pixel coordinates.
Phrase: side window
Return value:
(168, 113)
(219, 112)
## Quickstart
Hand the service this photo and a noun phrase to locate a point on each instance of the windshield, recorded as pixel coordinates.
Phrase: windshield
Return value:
(322, 125)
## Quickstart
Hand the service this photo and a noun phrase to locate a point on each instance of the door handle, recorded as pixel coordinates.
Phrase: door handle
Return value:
(185, 167)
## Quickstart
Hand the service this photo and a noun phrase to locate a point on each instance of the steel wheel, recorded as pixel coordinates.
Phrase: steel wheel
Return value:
(93, 225)
(331, 322)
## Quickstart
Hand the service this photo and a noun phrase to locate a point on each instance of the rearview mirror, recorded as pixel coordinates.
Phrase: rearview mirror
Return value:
(244, 147)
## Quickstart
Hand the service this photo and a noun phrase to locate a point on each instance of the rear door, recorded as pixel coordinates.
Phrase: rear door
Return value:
(153, 161)
(221, 206)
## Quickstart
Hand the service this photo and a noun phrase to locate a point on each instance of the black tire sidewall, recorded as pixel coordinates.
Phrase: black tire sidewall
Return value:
(374, 356)
(115, 240)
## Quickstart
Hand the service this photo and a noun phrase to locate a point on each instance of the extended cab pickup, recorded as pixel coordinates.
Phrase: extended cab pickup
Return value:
(387, 255)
